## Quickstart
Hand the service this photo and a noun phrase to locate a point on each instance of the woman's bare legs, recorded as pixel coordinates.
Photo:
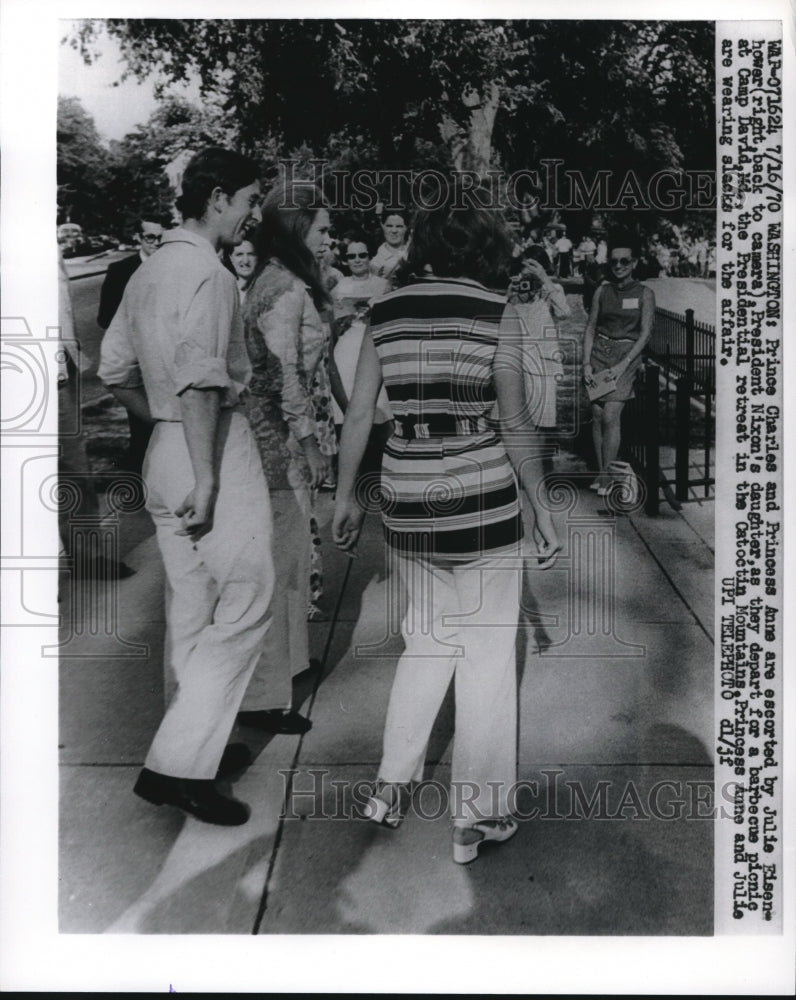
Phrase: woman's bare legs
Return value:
(611, 432)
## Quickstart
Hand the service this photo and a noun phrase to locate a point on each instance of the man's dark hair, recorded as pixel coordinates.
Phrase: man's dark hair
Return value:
(212, 168)
(154, 217)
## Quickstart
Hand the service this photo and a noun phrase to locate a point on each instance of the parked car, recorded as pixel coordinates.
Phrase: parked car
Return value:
(70, 236)
(75, 243)
(108, 242)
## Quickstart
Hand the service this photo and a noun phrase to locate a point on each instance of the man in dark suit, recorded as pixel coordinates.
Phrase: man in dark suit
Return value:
(148, 237)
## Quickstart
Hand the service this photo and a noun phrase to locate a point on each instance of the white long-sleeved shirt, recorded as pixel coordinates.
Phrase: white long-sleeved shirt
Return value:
(178, 328)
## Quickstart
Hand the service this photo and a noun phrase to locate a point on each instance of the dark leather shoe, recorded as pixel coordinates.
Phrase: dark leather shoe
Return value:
(235, 758)
(276, 720)
(199, 797)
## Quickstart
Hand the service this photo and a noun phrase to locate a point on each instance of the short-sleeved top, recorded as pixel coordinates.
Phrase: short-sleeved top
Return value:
(448, 490)
(177, 328)
(346, 358)
(385, 261)
(349, 291)
(619, 317)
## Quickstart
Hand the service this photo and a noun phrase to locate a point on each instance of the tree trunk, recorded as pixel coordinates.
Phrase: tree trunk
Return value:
(482, 122)
(471, 149)
(456, 139)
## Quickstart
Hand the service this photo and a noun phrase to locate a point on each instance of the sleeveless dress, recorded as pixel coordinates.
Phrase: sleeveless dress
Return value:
(448, 490)
(618, 329)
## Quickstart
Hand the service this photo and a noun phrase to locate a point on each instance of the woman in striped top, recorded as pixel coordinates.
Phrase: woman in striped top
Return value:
(446, 349)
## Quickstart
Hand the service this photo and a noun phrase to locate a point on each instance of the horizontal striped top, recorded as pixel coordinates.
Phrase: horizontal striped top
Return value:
(447, 487)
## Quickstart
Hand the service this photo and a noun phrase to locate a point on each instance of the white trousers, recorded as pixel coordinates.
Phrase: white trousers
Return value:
(461, 622)
(221, 586)
(285, 651)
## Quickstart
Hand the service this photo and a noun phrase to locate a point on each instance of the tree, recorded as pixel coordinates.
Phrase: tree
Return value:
(81, 164)
(397, 82)
(613, 96)
(139, 185)
(176, 125)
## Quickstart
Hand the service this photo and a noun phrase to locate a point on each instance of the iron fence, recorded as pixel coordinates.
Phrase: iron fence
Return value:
(668, 429)
(684, 347)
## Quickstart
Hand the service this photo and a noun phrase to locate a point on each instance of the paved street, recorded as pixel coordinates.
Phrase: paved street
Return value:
(625, 701)
(615, 661)
(679, 294)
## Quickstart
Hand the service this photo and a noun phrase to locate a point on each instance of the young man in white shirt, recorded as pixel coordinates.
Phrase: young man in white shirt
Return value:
(174, 353)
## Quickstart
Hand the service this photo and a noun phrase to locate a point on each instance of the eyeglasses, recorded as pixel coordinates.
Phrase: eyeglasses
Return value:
(151, 238)
(622, 261)
(357, 256)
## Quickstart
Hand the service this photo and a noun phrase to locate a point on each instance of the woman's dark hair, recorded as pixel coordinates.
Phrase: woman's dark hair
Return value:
(356, 237)
(460, 238)
(624, 238)
(288, 213)
(389, 214)
(540, 255)
(213, 167)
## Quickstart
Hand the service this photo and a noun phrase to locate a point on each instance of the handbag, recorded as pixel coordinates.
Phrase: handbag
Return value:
(601, 384)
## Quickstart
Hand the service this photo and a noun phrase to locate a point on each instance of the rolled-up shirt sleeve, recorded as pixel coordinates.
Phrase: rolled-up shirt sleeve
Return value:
(200, 355)
(280, 325)
(118, 360)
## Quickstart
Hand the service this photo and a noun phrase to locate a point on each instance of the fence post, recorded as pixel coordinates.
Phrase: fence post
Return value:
(650, 444)
(689, 346)
(682, 415)
(708, 432)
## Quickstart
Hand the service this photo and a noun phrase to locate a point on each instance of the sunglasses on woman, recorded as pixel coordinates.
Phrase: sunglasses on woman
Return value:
(357, 256)
(621, 261)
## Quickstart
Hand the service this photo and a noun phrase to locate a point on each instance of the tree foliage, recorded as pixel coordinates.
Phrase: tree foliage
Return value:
(627, 86)
(394, 94)
(139, 185)
(111, 189)
(81, 163)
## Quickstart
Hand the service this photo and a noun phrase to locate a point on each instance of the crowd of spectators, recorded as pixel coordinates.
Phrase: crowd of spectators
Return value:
(568, 255)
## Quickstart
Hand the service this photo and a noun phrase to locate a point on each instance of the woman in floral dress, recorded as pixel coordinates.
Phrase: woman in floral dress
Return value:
(287, 341)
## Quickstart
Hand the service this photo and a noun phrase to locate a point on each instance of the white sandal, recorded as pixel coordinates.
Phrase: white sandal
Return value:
(468, 839)
(388, 804)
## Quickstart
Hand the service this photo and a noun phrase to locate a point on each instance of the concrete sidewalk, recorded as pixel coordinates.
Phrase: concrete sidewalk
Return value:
(616, 708)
